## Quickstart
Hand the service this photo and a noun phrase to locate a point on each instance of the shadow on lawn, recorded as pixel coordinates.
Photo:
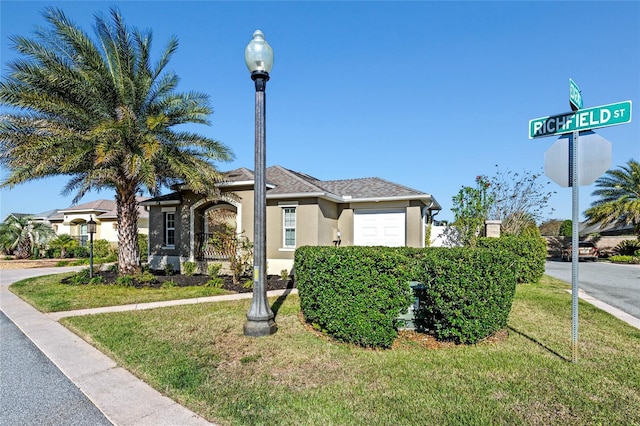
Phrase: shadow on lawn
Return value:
(280, 300)
(539, 343)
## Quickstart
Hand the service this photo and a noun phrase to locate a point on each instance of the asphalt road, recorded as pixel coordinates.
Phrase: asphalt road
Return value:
(33, 391)
(614, 284)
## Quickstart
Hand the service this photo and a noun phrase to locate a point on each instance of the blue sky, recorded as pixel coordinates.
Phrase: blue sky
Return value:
(425, 94)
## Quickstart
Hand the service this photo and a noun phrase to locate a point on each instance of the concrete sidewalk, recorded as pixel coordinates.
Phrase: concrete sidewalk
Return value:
(120, 396)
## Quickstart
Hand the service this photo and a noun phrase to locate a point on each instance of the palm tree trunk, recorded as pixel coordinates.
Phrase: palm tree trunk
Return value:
(128, 253)
(24, 248)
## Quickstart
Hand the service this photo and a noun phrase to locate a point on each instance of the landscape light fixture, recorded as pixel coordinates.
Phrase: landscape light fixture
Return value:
(258, 56)
(91, 229)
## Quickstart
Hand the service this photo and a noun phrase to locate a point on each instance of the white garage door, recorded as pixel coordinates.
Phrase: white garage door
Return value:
(379, 228)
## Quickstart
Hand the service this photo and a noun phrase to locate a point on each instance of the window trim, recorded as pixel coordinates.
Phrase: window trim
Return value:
(285, 227)
(167, 229)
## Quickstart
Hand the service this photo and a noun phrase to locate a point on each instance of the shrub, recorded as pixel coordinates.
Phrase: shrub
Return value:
(213, 270)
(215, 282)
(78, 252)
(79, 278)
(625, 259)
(627, 247)
(125, 281)
(146, 277)
(531, 253)
(354, 293)
(467, 293)
(168, 269)
(102, 249)
(189, 268)
(284, 275)
(169, 284)
(96, 280)
(143, 247)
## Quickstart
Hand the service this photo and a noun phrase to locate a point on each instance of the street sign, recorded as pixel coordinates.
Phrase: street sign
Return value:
(584, 119)
(594, 158)
(575, 97)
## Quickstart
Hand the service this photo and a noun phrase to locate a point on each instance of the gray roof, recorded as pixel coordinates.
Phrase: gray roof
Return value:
(289, 182)
(283, 183)
(103, 209)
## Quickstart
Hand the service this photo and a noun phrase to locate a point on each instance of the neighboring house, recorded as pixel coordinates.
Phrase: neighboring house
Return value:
(301, 211)
(606, 238)
(73, 220)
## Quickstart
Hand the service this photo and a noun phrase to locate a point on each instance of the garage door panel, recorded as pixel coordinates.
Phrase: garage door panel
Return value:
(379, 228)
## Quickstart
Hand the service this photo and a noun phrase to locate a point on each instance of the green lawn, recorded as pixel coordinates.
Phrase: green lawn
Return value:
(197, 355)
(47, 294)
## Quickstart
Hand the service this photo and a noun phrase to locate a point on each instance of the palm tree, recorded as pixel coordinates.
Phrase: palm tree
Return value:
(619, 203)
(21, 235)
(64, 242)
(100, 113)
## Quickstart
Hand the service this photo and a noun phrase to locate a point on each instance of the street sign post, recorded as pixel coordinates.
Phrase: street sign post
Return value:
(584, 119)
(572, 123)
(575, 97)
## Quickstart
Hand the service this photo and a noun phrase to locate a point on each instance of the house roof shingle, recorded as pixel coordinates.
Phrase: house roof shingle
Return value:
(285, 182)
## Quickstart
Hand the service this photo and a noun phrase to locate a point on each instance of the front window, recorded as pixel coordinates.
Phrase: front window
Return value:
(169, 229)
(84, 235)
(289, 226)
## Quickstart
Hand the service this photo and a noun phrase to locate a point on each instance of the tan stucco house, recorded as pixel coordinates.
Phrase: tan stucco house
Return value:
(73, 220)
(301, 211)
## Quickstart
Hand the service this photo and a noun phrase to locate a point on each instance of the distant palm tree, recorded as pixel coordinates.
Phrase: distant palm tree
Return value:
(64, 242)
(100, 113)
(619, 203)
(21, 235)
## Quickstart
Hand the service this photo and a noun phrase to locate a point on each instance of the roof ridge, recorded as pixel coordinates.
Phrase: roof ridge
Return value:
(301, 177)
(402, 186)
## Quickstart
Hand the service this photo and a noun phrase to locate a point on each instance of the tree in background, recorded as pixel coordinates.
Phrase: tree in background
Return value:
(21, 236)
(519, 199)
(98, 112)
(566, 228)
(619, 203)
(551, 227)
(63, 242)
(470, 209)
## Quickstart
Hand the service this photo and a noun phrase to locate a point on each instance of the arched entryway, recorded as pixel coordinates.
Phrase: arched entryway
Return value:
(210, 221)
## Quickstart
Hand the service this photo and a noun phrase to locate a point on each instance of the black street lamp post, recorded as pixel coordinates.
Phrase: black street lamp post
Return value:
(91, 229)
(259, 58)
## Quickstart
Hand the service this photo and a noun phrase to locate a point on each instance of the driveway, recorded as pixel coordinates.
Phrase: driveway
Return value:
(614, 284)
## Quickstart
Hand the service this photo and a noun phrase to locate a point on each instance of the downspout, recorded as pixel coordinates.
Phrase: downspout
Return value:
(426, 211)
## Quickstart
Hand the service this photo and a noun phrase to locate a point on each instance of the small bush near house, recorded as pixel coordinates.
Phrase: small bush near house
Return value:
(102, 249)
(125, 281)
(467, 293)
(355, 294)
(78, 252)
(284, 275)
(168, 269)
(531, 253)
(143, 247)
(189, 268)
(213, 269)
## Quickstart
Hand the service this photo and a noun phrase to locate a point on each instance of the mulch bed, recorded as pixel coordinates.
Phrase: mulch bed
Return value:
(273, 282)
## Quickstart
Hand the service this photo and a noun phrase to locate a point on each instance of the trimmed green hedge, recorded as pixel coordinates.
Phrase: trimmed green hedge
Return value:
(355, 294)
(467, 293)
(531, 253)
